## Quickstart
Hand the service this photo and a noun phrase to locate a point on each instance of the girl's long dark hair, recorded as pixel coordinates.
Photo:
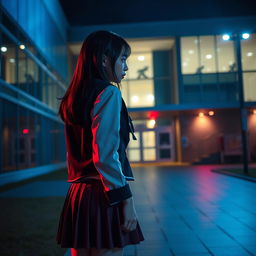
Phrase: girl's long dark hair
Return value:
(89, 66)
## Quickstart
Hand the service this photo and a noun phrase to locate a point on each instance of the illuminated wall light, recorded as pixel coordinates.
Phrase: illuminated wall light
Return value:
(208, 56)
(3, 49)
(25, 131)
(201, 114)
(211, 113)
(254, 111)
(141, 58)
(151, 123)
(135, 99)
(12, 60)
(245, 35)
(22, 46)
(226, 37)
(249, 54)
(153, 115)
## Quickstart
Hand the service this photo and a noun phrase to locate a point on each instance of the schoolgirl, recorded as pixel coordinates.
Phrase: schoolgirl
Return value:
(98, 215)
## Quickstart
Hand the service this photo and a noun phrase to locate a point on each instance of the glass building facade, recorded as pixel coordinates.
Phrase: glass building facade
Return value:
(209, 69)
(31, 134)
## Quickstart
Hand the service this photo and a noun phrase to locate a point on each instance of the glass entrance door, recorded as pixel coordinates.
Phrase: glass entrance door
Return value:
(152, 145)
(26, 153)
(164, 145)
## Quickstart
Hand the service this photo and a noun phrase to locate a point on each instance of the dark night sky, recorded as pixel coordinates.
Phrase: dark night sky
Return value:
(97, 12)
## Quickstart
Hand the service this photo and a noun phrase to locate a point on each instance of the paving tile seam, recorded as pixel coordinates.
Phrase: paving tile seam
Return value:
(244, 209)
(238, 220)
(235, 240)
(242, 246)
(204, 245)
(166, 238)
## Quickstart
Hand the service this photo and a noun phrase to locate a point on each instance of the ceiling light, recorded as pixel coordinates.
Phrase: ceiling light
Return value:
(135, 99)
(249, 54)
(245, 35)
(3, 49)
(226, 37)
(141, 58)
(151, 123)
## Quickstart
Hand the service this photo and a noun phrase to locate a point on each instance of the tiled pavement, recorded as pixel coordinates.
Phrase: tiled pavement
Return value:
(190, 211)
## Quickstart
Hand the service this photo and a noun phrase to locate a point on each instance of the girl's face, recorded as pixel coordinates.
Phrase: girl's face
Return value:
(120, 67)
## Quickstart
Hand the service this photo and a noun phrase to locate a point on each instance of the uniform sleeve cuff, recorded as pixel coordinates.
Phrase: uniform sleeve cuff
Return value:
(119, 194)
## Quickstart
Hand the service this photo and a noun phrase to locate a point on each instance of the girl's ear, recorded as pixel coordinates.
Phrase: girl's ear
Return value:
(104, 60)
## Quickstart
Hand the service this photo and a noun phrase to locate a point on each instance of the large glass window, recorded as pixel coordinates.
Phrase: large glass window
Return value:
(207, 54)
(249, 80)
(139, 93)
(32, 78)
(208, 70)
(138, 87)
(150, 78)
(8, 53)
(225, 55)
(52, 88)
(44, 86)
(23, 76)
(248, 49)
(21, 66)
(190, 55)
(140, 66)
(9, 130)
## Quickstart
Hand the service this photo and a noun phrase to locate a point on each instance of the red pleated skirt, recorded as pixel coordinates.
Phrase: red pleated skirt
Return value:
(88, 221)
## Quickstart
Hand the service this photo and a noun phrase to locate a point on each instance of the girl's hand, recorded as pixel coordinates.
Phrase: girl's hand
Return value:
(130, 216)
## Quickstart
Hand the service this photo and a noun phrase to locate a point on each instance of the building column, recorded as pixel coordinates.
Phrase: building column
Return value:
(178, 147)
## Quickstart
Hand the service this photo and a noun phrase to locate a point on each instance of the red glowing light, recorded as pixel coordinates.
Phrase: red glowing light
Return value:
(25, 131)
(153, 115)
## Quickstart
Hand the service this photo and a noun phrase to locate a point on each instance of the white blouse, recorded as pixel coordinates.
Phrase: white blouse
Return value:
(105, 143)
